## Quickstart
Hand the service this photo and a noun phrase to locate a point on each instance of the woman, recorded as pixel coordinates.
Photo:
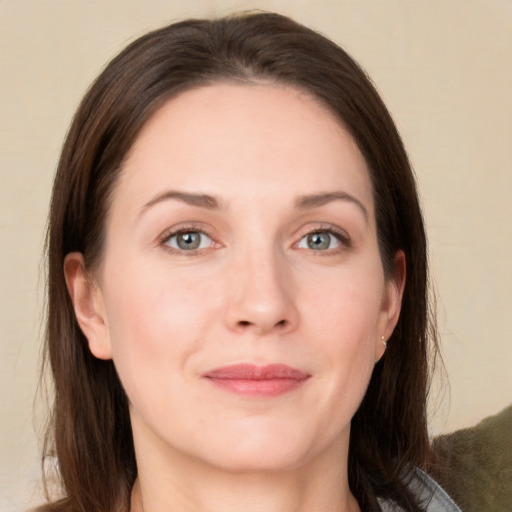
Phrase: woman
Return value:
(237, 315)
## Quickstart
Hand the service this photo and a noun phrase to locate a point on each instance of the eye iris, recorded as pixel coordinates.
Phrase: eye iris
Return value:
(188, 241)
(319, 241)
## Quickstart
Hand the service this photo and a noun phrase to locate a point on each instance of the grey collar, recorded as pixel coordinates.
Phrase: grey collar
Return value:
(431, 496)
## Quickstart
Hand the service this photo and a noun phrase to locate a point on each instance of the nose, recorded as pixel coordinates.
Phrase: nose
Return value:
(261, 296)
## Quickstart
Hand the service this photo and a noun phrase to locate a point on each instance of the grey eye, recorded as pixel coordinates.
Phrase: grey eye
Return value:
(319, 241)
(189, 241)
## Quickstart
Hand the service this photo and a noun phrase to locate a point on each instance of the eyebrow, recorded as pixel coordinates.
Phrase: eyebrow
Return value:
(199, 200)
(211, 203)
(320, 199)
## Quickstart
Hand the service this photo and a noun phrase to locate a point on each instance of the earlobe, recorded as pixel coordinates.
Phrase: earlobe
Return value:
(88, 304)
(392, 303)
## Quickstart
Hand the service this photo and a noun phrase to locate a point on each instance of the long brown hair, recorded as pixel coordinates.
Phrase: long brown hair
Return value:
(90, 427)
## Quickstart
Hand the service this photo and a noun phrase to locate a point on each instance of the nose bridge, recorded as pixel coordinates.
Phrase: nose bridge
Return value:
(261, 286)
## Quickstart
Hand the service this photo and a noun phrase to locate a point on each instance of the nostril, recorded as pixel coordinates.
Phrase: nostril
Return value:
(247, 323)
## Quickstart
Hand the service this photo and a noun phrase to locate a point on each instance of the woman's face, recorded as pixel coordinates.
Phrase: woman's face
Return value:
(241, 293)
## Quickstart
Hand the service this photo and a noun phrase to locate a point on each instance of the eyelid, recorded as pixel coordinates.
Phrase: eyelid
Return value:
(185, 228)
(340, 234)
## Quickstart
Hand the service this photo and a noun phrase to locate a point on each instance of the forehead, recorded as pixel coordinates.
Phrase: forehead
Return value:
(241, 140)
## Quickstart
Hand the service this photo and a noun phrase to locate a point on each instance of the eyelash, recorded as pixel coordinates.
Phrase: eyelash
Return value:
(341, 236)
(168, 235)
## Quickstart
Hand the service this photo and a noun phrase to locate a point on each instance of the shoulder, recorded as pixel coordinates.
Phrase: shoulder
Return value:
(431, 496)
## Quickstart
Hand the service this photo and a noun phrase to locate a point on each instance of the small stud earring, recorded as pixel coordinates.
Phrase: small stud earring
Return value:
(384, 342)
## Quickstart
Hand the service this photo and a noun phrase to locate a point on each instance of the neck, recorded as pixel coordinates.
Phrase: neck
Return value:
(180, 483)
(251, 493)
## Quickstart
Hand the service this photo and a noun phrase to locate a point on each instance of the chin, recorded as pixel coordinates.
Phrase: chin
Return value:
(261, 451)
(259, 462)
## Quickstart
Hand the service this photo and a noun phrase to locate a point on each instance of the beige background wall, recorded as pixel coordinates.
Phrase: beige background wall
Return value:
(445, 71)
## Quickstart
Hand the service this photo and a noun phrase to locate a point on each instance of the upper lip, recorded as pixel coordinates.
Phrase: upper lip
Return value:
(255, 372)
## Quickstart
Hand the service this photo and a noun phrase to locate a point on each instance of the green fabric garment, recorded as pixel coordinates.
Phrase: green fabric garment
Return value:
(474, 465)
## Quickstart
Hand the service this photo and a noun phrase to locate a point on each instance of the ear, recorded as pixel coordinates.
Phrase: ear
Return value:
(88, 304)
(391, 304)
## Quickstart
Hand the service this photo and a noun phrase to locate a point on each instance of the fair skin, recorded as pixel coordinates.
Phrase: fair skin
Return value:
(242, 231)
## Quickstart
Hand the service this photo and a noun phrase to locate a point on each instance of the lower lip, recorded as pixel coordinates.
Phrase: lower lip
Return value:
(255, 388)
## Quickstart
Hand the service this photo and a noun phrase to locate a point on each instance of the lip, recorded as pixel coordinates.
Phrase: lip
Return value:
(252, 380)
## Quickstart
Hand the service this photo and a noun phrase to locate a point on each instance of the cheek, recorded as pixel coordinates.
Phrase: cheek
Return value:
(157, 320)
(346, 304)
(344, 318)
(149, 302)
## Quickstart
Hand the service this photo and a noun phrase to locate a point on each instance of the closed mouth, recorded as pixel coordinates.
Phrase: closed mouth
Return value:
(254, 380)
